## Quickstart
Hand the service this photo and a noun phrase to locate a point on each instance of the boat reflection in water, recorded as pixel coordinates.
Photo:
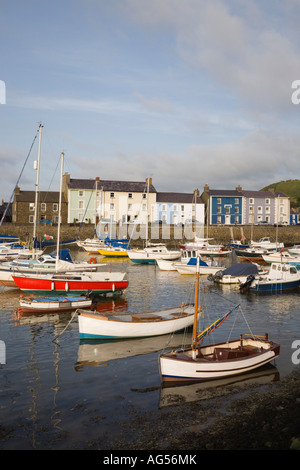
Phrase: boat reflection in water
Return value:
(177, 395)
(95, 353)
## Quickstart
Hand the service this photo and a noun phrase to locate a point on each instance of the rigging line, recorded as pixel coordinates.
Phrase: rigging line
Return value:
(51, 181)
(12, 196)
(81, 223)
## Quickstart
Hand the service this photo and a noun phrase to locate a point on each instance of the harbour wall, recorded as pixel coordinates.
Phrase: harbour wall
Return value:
(168, 234)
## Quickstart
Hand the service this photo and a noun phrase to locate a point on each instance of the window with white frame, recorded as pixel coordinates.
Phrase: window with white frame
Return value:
(80, 204)
(80, 193)
(55, 207)
(43, 206)
(31, 206)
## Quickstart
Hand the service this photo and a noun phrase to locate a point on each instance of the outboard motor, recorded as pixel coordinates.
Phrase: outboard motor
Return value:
(247, 283)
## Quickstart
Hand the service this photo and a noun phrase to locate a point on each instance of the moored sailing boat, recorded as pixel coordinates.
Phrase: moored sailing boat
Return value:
(70, 283)
(218, 360)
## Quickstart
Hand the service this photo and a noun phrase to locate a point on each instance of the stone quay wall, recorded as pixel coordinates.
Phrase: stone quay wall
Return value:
(172, 236)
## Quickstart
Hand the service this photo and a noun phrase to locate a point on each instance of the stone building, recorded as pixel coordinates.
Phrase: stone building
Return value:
(23, 207)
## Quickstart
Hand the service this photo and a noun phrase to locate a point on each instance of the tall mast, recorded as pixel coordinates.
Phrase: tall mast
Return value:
(59, 212)
(37, 168)
(196, 309)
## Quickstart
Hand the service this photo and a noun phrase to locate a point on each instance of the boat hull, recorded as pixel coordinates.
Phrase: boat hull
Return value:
(144, 257)
(94, 326)
(68, 286)
(61, 304)
(274, 286)
(110, 253)
(217, 361)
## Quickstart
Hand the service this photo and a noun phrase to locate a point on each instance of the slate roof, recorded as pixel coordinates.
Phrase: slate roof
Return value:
(112, 185)
(225, 192)
(44, 196)
(183, 198)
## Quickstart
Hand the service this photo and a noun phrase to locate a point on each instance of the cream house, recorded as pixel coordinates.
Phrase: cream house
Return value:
(120, 202)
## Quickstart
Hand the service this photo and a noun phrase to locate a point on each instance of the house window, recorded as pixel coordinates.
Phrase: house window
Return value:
(267, 201)
(130, 195)
(31, 219)
(236, 210)
(218, 219)
(31, 206)
(259, 209)
(236, 220)
(219, 210)
(55, 207)
(144, 196)
(80, 204)
(182, 208)
(251, 200)
(80, 193)
(175, 207)
(112, 194)
(43, 206)
(219, 200)
(144, 207)
(228, 210)
(112, 206)
(130, 207)
(163, 207)
(267, 209)
(236, 201)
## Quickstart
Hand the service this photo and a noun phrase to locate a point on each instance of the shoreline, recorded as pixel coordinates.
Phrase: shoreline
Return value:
(265, 417)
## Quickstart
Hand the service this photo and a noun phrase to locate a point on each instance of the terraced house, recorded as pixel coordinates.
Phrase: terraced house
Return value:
(114, 201)
(245, 207)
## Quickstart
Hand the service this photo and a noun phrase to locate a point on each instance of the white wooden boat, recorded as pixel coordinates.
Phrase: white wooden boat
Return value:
(91, 245)
(282, 257)
(205, 268)
(294, 250)
(281, 277)
(135, 325)
(151, 254)
(53, 304)
(265, 242)
(218, 360)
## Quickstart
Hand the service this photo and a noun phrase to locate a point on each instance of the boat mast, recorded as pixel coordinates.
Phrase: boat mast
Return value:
(59, 213)
(194, 343)
(37, 168)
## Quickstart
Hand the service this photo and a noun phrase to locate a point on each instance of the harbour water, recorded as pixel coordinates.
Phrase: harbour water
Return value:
(60, 393)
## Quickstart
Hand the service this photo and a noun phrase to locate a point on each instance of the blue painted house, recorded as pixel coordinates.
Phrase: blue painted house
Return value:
(223, 206)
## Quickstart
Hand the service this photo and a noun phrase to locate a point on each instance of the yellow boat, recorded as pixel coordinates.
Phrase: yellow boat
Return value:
(113, 251)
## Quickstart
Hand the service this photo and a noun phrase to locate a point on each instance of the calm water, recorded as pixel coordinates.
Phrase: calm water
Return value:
(57, 393)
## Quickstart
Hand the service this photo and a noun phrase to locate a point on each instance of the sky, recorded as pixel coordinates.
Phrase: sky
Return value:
(187, 92)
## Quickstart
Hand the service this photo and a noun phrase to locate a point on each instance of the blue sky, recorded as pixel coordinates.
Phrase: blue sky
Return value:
(186, 92)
